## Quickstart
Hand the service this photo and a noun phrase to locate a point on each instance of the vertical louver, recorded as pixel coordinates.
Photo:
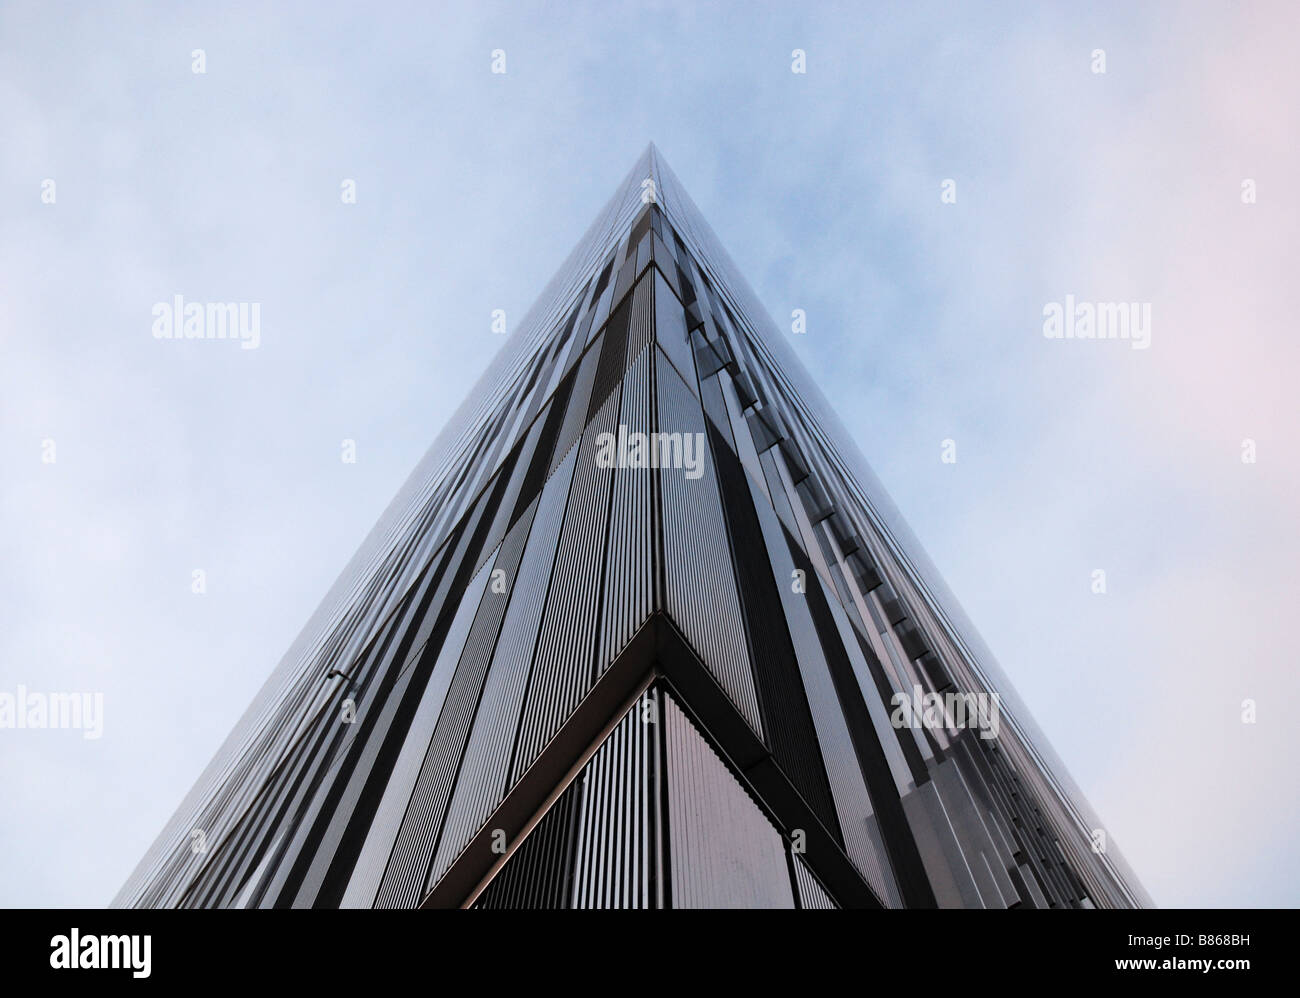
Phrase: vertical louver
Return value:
(663, 673)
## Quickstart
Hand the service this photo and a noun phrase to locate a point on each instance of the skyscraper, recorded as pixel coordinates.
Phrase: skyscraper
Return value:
(641, 630)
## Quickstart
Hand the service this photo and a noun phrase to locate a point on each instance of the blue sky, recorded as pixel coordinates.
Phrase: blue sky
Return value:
(925, 324)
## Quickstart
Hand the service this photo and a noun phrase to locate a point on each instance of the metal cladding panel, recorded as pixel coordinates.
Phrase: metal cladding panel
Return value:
(700, 587)
(565, 348)
(978, 851)
(890, 869)
(427, 609)
(345, 810)
(954, 885)
(787, 719)
(811, 893)
(513, 497)
(723, 851)
(615, 864)
(378, 846)
(670, 330)
(575, 411)
(628, 583)
(245, 896)
(313, 778)
(238, 846)
(404, 880)
(597, 846)
(613, 357)
(540, 873)
(641, 318)
(538, 459)
(314, 770)
(167, 872)
(249, 842)
(481, 783)
(566, 647)
(852, 802)
(346, 798)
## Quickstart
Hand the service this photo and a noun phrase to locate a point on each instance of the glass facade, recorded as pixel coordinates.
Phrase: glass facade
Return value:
(641, 630)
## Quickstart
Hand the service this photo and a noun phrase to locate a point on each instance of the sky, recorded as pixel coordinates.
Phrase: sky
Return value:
(131, 462)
